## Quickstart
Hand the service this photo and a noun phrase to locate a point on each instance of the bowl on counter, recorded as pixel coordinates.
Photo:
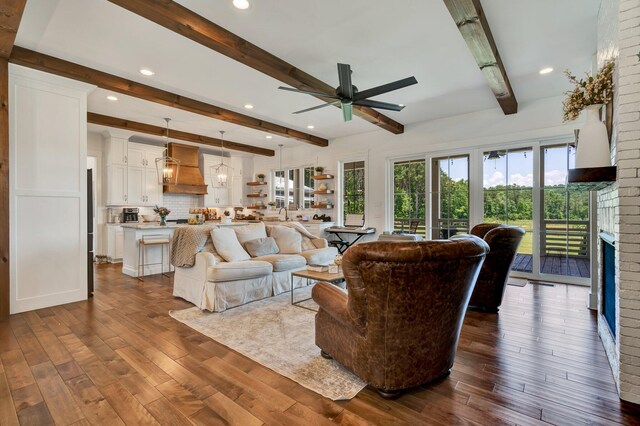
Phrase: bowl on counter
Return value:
(149, 217)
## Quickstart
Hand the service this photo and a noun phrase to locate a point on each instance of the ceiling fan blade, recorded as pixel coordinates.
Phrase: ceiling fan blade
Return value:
(344, 76)
(316, 107)
(385, 88)
(379, 105)
(306, 92)
(347, 111)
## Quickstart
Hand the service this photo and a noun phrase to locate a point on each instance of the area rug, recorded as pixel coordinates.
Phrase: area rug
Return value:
(280, 337)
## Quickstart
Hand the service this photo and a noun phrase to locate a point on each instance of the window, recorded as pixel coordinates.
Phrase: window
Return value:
(409, 197)
(449, 196)
(296, 189)
(353, 188)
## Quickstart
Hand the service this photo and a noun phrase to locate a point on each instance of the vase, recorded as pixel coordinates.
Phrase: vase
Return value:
(593, 143)
(162, 221)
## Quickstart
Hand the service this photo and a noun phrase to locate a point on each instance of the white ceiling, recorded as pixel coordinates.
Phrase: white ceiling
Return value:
(391, 40)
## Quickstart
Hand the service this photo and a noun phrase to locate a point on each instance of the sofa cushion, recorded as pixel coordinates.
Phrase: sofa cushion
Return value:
(233, 271)
(250, 232)
(261, 247)
(227, 245)
(289, 240)
(321, 256)
(283, 262)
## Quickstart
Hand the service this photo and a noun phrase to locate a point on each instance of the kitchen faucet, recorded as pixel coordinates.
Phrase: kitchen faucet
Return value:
(286, 213)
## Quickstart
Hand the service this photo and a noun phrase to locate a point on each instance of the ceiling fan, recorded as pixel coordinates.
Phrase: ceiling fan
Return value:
(347, 95)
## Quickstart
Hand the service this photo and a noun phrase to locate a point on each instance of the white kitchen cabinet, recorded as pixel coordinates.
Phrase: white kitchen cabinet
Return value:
(131, 176)
(137, 155)
(115, 242)
(153, 190)
(116, 150)
(317, 229)
(136, 185)
(116, 184)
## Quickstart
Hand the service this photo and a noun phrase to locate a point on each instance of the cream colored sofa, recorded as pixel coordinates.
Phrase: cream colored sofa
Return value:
(217, 281)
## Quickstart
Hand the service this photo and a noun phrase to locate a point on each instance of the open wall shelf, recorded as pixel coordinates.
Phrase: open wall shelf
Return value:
(592, 179)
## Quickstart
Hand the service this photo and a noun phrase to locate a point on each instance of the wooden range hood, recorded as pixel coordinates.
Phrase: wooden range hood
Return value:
(190, 180)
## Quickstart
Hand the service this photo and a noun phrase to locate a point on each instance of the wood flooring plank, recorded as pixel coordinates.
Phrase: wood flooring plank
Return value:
(230, 411)
(94, 406)
(184, 401)
(126, 405)
(16, 369)
(8, 414)
(60, 402)
(166, 414)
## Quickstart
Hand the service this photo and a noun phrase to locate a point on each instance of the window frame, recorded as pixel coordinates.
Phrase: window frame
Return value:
(288, 190)
(340, 186)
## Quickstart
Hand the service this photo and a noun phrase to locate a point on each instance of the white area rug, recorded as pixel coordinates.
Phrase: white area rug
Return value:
(280, 337)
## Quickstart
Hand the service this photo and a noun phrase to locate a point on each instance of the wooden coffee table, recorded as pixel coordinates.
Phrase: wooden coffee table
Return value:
(315, 276)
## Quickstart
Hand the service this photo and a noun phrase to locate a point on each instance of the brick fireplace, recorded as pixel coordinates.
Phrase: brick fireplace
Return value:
(619, 204)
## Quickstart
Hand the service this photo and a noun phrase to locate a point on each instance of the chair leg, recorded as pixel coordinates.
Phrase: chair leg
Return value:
(390, 394)
(325, 355)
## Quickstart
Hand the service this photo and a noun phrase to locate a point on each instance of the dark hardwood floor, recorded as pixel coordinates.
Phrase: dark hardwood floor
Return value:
(572, 266)
(120, 358)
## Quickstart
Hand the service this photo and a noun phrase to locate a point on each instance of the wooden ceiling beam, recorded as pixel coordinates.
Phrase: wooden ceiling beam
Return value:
(474, 27)
(50, 64)
(10, 16)
(179, 19)
(121, 123)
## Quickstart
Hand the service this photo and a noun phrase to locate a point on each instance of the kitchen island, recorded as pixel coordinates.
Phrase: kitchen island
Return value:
(133, 233)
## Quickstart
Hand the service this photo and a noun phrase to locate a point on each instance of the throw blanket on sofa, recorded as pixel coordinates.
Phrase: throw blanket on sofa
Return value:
(189, 241)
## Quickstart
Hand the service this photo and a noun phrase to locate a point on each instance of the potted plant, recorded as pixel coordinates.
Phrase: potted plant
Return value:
(226, 219)
(319, 169)
(272, 205)
(261, 177)
(590, 94)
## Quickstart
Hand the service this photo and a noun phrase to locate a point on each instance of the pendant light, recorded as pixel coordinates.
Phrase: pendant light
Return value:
(220, 172)
(167, 167)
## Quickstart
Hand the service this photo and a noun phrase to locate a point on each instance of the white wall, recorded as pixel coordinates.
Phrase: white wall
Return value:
(535, 121)
(48, 189)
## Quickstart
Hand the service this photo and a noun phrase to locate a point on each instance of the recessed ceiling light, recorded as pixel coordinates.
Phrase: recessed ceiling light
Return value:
(248, 106)
(269, 137)
(311, 126)
(147, 72)
(546, 70)
(241, 4)
(112, 98)
(400, 105)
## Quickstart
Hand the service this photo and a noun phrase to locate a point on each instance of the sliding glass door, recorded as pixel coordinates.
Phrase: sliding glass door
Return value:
(449, 196)
(508, 196)
(565, 220)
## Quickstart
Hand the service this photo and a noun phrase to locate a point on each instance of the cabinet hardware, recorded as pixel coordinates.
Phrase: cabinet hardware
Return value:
(125, 159)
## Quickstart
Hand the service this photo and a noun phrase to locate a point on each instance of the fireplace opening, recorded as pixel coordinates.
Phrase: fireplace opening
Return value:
(609, 280)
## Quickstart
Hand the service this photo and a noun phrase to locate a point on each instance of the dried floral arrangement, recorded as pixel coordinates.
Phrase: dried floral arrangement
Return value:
(592, 90)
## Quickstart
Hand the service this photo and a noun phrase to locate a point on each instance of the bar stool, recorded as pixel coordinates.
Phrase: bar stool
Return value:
(152, 241)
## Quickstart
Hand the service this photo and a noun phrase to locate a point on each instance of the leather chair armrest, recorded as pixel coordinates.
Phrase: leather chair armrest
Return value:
(334, 301)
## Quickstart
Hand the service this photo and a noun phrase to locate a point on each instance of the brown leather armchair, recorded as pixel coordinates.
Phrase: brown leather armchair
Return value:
(398, 324)
(503, 241)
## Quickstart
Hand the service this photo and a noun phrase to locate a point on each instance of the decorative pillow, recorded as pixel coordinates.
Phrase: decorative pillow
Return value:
(261, 247)
(289, 240)
(227, 245)
(307, 244)
(250, 232)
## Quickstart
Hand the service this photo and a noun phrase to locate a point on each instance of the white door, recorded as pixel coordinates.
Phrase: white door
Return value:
(135, 185)
(153, 190)
(117, 184)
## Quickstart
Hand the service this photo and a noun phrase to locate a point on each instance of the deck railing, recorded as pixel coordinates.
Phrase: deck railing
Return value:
(561, 237)
(446, 228)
